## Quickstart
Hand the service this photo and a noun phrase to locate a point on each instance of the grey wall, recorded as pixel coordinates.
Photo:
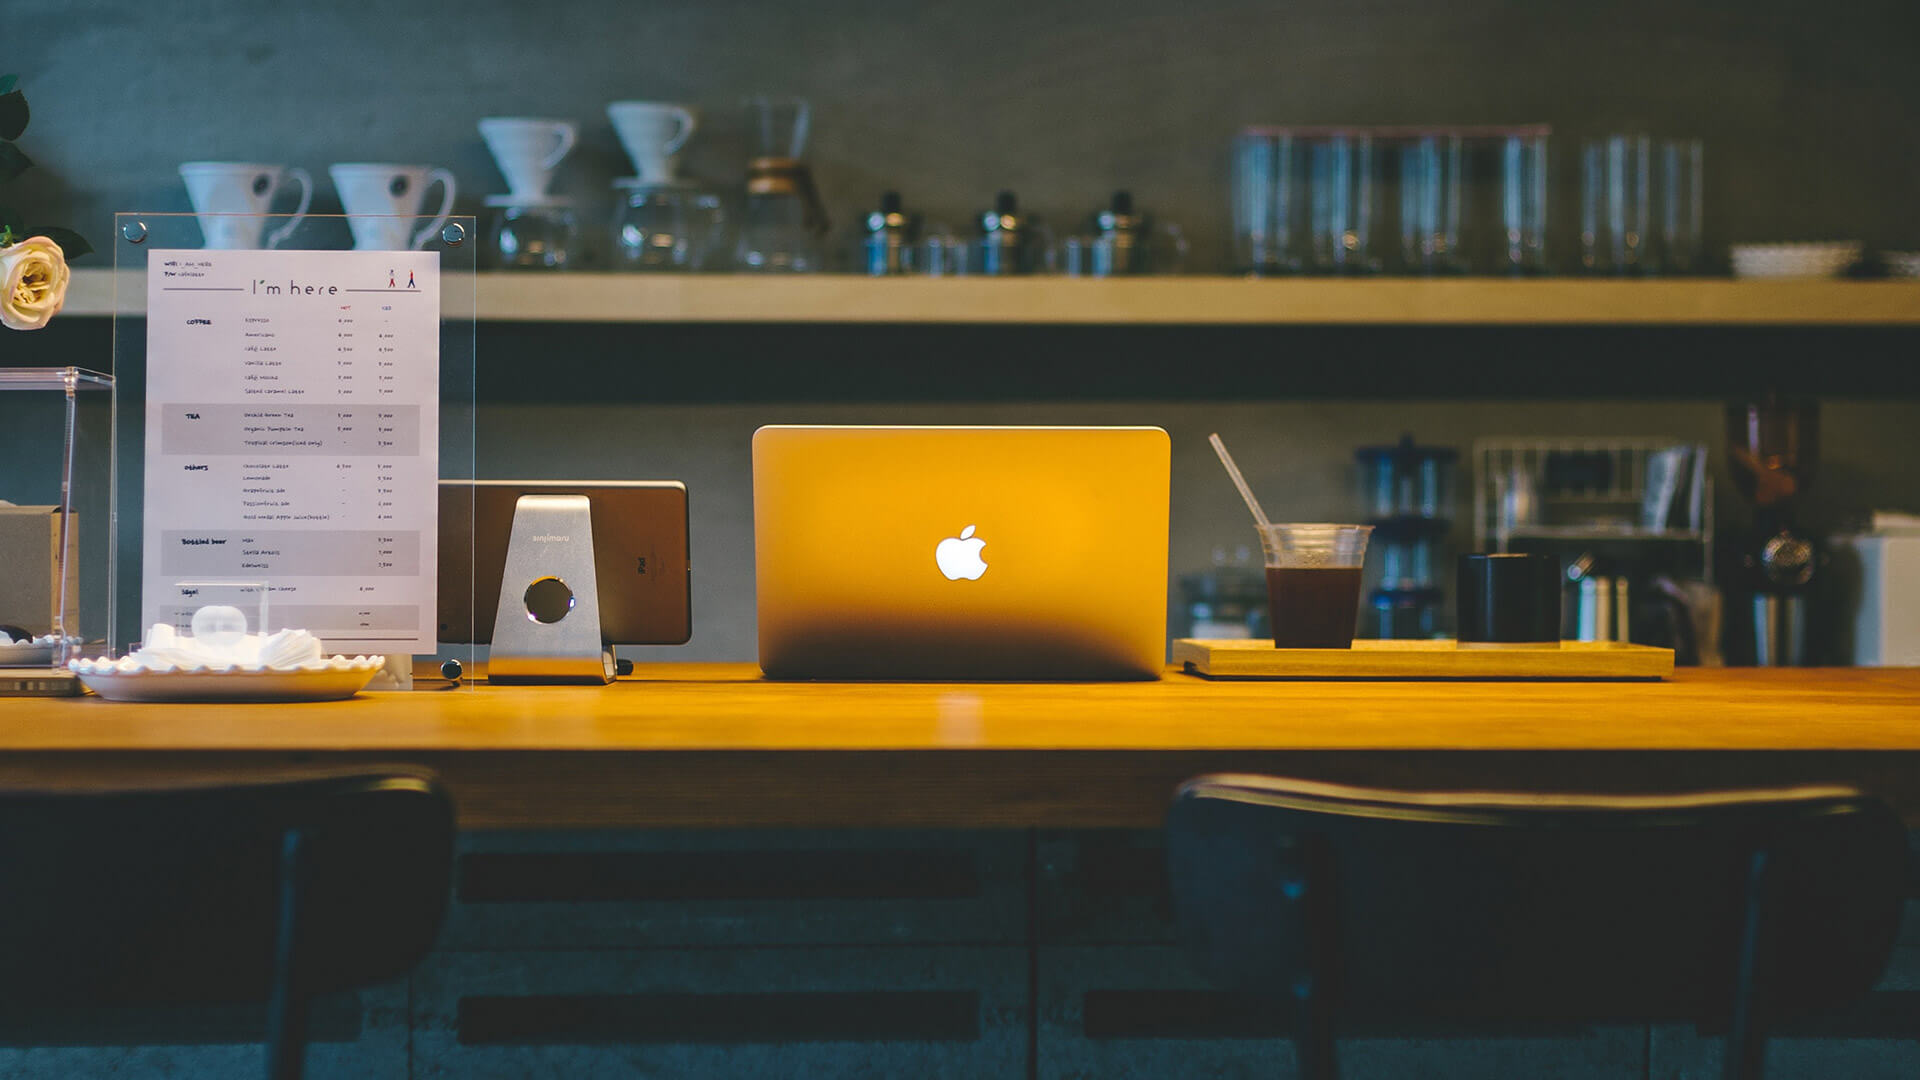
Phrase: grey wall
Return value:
(1807, 110)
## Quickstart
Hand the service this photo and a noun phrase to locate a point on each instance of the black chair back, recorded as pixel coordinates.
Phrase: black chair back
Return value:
(1732, 910)
(267, 891)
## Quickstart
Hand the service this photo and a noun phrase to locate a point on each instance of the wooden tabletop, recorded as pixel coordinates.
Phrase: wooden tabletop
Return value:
(713, 744)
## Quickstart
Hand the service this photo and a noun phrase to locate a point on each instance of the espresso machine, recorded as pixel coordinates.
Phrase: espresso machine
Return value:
(1772, 451)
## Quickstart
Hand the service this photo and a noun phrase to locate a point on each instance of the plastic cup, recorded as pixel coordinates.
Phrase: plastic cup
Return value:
(1313, 583)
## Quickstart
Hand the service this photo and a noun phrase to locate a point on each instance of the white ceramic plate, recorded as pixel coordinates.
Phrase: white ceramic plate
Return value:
(26, 654)
(331, 684)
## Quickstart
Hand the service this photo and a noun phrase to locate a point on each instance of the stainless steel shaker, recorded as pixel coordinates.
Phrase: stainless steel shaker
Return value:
(1006, 237)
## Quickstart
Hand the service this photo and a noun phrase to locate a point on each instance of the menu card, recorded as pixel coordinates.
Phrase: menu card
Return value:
(292, 439)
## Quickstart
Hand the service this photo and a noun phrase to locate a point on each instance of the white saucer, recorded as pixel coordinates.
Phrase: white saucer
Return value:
(26, 654)
(1816, 260)
(327, 684)
(529, 201)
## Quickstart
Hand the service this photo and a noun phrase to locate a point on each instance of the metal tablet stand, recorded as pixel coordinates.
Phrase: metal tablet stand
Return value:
(547, 626)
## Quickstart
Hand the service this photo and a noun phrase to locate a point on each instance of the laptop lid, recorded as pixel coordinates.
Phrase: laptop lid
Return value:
(961, 552)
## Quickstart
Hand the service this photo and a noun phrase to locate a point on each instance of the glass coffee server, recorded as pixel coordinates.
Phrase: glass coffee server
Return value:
(784, 223)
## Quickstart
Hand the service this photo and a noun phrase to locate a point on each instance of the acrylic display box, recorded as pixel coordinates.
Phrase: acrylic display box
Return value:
(56, 533)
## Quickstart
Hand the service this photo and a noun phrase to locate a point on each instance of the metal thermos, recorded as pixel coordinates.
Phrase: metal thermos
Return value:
(1121, 240)
(1003, 237)
(890, 238)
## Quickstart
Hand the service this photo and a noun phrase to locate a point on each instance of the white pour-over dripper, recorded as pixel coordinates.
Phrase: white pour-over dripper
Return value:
(653, 133)
(382, 201)
(528, 149)
(233, 198)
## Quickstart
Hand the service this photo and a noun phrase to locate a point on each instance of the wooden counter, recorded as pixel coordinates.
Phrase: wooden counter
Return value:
(713, 745)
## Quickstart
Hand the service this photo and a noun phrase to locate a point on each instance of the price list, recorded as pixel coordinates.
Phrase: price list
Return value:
(292, 437)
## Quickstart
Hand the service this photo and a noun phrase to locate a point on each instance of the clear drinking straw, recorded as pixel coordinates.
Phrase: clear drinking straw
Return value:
(1233, 471)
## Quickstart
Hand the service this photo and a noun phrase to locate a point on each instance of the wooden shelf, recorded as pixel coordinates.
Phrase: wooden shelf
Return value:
(588, 297)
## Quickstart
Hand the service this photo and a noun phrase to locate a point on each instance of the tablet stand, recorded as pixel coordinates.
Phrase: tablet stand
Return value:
(547, 626)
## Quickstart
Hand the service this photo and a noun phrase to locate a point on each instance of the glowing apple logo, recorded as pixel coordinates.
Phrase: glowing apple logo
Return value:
(959, 556)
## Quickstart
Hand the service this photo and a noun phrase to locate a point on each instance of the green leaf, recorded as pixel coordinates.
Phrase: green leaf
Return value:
(6, 83)
(13, 114)
(71, 243)
(13, 162)
(10, 219)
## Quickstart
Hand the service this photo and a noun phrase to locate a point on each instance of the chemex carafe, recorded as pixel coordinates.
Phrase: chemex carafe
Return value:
(784, 223)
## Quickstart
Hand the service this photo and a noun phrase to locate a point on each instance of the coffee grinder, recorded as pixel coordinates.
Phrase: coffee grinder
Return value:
(1772, 450)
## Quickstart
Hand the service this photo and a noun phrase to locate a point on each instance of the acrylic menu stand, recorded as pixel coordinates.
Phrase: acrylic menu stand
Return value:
(136, 235)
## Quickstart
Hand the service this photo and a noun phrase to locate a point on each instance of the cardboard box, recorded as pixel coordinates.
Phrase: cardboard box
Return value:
(30, 569)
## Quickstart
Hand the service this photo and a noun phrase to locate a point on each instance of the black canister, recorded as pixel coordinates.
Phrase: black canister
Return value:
(1508, 599)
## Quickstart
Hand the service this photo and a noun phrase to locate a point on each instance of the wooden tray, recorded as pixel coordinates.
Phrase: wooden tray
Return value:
(1575, 660)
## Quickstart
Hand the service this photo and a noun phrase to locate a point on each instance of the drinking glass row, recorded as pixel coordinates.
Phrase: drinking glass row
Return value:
(1458, 200)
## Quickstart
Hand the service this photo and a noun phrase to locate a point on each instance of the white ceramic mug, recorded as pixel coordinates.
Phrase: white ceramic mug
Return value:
(232, 197)
(528, 149)
(383, 200)
(652, 132)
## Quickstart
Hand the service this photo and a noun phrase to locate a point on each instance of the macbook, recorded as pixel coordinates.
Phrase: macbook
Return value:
(961, 552)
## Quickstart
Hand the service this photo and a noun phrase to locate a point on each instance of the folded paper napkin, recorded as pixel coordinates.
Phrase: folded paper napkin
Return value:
(1894, 523)
(166, 650)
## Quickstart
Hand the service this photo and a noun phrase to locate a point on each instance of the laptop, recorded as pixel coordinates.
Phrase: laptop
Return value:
(939, 553)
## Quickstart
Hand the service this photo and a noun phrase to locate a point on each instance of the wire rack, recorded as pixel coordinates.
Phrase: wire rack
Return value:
(1592, 491)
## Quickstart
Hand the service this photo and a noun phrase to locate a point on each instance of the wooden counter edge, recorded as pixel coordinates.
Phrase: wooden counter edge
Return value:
(986, 789)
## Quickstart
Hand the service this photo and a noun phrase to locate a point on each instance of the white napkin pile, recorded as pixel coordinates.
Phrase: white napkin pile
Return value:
(167, 650)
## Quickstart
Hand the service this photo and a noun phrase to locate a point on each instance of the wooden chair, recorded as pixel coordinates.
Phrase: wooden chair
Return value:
(1366, 908)
(270, 891)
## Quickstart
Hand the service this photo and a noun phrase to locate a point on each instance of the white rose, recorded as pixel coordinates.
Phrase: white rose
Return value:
(33, 283)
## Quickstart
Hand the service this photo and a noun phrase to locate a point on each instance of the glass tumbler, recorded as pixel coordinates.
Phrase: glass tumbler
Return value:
(1313, 583)
(1341, 174)
(1678, 164)
(1269, 212)
(1523, 201)
(1432, 183)
(1614, 195)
